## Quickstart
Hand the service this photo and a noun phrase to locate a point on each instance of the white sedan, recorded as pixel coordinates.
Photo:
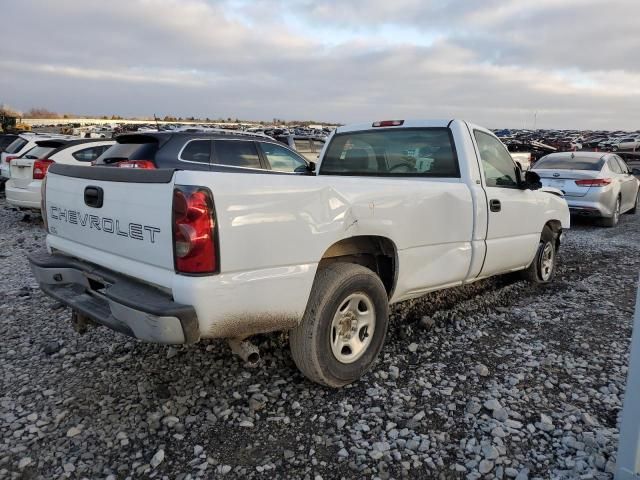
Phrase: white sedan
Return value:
(27, 171)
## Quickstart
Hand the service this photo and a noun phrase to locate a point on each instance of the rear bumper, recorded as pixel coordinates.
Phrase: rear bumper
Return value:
(23, 197)
(589, 208)
(120, 303)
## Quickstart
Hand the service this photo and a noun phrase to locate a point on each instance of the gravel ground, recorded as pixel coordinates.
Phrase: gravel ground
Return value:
(496, 379)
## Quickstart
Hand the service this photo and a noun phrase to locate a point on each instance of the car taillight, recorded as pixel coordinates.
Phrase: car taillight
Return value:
(136, 164)
(195, 244)
(388, 123)
(40, 168)
(593, 182)
(8, 158)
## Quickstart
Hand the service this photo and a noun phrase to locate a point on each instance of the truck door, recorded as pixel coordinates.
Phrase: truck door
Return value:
(513, 231)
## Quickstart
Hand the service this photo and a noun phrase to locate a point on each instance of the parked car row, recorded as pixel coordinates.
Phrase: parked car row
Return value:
(26, 162)
(570, 140)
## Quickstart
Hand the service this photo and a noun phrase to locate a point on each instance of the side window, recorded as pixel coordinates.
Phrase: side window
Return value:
(281, 159)
(196, 151)
(236, 153)
(89, 154)
(499, 168)
(613, 165)
(623, 165)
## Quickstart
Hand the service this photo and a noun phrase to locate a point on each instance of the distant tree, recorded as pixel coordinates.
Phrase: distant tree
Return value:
(40, 113)
(10, 111)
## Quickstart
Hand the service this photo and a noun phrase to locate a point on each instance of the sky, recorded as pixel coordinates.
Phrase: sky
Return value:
(498, 63)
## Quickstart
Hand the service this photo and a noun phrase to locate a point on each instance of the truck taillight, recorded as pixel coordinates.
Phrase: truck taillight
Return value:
(40, 168)
(195, 243)
(136, 164)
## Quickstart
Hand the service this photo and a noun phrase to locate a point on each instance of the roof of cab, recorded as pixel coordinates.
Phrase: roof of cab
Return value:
(406, 124)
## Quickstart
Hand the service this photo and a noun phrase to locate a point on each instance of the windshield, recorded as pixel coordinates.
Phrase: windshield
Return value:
(404, 152)
(568, 163)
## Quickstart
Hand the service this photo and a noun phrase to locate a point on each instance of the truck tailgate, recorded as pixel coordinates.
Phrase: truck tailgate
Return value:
(124, 212)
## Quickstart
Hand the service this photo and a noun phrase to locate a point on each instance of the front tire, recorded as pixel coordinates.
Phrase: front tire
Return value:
(344, 325)
(543, 268)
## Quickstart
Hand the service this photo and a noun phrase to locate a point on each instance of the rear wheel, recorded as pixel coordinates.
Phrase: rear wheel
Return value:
(343, 327)
(543, 267)
(612, 221)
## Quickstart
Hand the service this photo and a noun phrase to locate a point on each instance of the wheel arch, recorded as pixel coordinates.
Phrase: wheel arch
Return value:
(378, 253)
(556, 228)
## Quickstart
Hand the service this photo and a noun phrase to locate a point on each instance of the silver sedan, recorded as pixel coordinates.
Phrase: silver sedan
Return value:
(595, 184)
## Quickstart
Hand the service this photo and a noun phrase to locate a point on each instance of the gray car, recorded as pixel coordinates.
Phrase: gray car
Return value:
(599, 185)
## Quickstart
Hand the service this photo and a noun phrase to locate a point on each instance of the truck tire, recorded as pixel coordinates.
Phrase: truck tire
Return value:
(543, 268)
(343, 327)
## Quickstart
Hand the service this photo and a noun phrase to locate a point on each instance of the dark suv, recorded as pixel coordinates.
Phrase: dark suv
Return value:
(204, 151)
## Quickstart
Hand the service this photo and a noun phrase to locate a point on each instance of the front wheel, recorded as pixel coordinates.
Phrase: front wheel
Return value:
(343, 327)
(543, 268)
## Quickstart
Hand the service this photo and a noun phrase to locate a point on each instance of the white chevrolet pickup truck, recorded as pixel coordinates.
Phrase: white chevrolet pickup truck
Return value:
(393, 210)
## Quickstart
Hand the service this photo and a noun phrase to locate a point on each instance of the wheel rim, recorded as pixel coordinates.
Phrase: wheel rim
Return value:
(616, 212)
(547, 261)
(352, 328)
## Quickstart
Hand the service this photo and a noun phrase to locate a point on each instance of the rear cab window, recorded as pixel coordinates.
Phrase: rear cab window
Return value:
(236, 153)
(405, 152)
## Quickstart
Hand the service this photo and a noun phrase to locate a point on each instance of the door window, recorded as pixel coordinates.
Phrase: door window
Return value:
(498, 166)
(196, 151)
(281, 159)
(237, 153)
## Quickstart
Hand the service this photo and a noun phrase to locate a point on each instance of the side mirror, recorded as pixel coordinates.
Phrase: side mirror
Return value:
(307, 169)
(531, 181)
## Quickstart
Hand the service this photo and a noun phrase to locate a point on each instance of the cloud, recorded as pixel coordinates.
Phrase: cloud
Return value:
(495, 62)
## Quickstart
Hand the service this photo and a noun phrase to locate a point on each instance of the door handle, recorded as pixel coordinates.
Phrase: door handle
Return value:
(495, 205)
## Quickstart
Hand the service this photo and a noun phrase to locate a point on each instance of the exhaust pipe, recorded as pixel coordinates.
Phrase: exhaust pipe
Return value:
(246, 350)
(81, 323)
